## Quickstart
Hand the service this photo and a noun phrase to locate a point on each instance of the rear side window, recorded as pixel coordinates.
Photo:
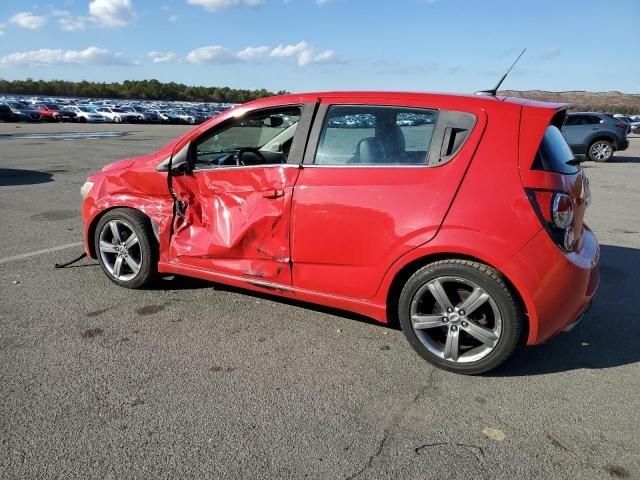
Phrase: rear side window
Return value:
(554, 155)
(375, 135)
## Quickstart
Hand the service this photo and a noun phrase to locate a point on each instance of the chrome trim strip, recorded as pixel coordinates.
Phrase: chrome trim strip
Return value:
(244, 167)
(371, 165)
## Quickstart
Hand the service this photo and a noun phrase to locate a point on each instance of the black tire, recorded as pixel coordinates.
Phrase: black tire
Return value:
(147, 252)
(600, 151)
(511, 317)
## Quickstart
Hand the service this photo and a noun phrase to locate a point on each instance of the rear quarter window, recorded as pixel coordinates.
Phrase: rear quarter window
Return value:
(554, 155)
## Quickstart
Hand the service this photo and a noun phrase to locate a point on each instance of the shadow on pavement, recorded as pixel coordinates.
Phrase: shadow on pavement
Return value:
(609, 335)
(624, 159)
(14, 177)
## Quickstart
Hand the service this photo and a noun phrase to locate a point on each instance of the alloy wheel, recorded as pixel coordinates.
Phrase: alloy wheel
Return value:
(120, 250)
(456, 319)
(601, 151)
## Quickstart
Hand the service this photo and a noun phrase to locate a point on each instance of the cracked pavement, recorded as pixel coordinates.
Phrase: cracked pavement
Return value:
(196, 380)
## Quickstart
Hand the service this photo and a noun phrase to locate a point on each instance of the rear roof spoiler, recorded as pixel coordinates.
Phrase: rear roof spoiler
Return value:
(535, 117)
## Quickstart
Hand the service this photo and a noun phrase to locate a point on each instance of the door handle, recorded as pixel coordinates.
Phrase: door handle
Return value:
(273, 194)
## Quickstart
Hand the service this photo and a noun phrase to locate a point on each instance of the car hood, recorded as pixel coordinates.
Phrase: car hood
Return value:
(137, 162)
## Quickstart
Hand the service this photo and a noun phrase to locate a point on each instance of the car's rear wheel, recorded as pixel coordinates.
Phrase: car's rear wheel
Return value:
(600, 151)
(460, 315)
(127, 248)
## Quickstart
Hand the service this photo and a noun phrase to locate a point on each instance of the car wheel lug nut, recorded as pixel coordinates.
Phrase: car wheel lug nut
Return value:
(450, 310)
(461, 312)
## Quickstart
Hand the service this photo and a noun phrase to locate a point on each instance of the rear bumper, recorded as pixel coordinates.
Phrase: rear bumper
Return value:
(557, 288)
(622, 144)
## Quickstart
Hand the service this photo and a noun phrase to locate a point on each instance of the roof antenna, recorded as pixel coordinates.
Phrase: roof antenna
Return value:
(494, 90)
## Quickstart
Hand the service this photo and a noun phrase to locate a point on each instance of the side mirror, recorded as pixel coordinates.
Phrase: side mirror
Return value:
(180, 163)
(273, 122)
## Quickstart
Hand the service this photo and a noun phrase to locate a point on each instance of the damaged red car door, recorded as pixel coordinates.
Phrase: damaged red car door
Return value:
(236, 195)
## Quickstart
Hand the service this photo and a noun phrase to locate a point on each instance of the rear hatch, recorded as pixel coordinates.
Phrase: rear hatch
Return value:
(555, 183)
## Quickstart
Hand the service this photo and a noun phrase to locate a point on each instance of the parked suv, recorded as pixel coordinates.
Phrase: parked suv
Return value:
(596, 135)
(460, 218)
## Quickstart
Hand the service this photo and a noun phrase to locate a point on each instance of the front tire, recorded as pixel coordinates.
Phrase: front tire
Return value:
(460, 316)
(126, 248)
(600, 151)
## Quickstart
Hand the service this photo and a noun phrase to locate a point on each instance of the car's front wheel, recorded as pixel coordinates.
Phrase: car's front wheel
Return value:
(126, 248)
(460, 315)
(600, 151)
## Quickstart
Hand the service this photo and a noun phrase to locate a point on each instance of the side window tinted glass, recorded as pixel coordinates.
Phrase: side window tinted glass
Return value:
(554, 154)
(269, 133)
(373, 135)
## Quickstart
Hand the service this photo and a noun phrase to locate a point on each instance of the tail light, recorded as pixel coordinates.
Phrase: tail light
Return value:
(555, 210)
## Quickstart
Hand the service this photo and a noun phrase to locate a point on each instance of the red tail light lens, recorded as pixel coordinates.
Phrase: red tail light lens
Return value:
(621, 125)
(555, 210)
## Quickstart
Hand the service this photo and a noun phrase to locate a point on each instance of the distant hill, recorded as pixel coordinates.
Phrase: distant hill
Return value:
(609, 102)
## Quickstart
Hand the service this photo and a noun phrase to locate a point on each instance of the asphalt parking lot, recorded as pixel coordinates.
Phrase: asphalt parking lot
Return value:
(196, 380)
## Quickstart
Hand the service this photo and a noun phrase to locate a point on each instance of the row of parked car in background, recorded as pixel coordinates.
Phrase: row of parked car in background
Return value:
(596, 135)
(36, 109)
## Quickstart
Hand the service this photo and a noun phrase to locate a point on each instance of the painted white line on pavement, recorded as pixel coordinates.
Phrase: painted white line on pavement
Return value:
(40, 252)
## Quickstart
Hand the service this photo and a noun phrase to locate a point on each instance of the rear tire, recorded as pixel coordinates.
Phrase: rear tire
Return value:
(600, 151)
(460, 316)
(126, 248)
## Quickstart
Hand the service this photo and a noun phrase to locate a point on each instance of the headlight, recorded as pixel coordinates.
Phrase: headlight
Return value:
(86, 188)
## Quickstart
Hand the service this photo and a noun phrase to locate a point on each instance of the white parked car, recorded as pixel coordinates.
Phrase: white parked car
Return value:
(117, 115)
(86, 114)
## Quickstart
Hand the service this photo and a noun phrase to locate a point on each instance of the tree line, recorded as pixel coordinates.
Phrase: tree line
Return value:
(132, 89)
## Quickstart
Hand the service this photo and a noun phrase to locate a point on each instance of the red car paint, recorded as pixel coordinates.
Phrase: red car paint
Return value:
(341, 236)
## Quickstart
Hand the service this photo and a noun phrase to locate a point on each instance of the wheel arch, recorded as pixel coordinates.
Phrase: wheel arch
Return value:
(407, 270)
(601, 136)
(91, 230)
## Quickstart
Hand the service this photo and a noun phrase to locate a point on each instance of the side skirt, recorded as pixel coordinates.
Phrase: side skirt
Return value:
(363, 307)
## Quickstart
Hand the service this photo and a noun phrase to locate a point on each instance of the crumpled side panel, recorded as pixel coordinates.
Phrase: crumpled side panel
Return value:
(131, 188)
(236, 221)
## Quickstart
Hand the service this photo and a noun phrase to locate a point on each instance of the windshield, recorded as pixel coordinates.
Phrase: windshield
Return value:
(250, 132)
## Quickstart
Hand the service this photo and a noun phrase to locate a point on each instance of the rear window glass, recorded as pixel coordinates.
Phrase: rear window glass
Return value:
(554, 155)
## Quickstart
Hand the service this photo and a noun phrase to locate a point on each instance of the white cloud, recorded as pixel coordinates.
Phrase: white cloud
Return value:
(303, 53)
(251, 53)
(173, 18)
(50, 56)
(211, 54)
(322, 2)
(2, 27)
(68, 22)
(28, 20)
(163, 57)
(111, 13)
(217, 5)
(550, 54)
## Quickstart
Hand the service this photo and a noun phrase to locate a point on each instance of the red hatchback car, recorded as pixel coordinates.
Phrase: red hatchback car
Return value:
(459, 217)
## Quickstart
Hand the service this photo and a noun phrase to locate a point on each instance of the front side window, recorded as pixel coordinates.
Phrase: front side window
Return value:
(375, 135)
(257, 138)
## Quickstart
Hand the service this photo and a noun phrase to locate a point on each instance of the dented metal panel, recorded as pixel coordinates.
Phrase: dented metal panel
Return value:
(236, 221)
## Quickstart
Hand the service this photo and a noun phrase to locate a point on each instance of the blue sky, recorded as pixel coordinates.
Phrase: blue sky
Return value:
(305, 45)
